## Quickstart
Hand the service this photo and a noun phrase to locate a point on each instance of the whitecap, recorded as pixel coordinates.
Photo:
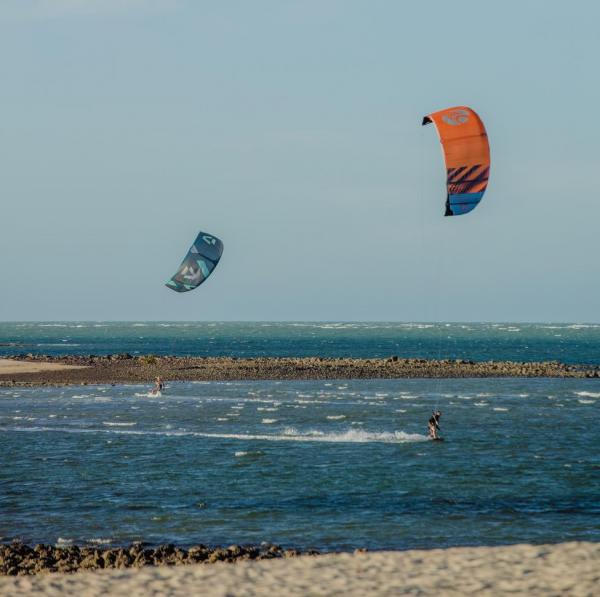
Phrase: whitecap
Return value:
(290, 435)
(589, 394)
(99, 541)
(268, 421)
(118, 424)
(500, 409)
(336, 417)
(581, 401)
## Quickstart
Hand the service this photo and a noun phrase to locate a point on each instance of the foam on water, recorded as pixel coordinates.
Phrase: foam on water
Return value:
(288, 435)
(100, 541)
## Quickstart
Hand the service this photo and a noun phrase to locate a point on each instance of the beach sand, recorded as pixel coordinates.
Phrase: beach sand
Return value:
(562, 569)
(11, 367)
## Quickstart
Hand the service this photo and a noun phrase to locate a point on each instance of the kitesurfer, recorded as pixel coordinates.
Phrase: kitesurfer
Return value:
(433, 424)
(158, 386)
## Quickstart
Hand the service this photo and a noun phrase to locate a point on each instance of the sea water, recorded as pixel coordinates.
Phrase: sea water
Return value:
(332, 465)
(568, 342)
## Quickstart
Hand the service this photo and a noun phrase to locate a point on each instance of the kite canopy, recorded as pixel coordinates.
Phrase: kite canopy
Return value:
(467, 156)
(201, 260)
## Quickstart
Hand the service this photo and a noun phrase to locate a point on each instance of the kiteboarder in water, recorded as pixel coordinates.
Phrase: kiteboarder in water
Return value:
(158, 386)
(433, 424)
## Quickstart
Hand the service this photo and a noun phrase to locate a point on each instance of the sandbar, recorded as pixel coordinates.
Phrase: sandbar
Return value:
(126, 368)
(10, 367)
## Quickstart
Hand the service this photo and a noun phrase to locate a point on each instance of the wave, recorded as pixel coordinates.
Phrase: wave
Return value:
(289, 434)
(100, 541)
(117, 424)
(589, 394)
(61, 344)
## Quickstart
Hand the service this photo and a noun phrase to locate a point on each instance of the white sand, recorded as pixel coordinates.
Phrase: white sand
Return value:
(8, 367)
(563, 569)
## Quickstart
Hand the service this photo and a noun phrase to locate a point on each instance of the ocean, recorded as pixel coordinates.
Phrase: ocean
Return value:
(570, 343)
(331, 465)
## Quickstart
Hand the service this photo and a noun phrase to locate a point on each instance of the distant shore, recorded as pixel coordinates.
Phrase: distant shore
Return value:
(35, 370)
(562, 569)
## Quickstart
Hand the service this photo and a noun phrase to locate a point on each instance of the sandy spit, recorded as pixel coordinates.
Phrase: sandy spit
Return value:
(10, 367)
(563, 569)
(125, 368)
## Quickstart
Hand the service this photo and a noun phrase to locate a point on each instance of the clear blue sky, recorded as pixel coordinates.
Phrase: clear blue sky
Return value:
(292, 130)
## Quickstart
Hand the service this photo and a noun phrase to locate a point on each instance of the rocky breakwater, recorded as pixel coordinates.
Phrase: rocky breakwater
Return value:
(125, 368)
(17, 559)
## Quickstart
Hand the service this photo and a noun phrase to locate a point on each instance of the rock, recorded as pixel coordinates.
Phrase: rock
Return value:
(234, 550)
(291, 553)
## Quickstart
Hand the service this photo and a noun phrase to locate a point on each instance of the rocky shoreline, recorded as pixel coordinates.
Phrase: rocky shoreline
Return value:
(18, 559)
(125, 368)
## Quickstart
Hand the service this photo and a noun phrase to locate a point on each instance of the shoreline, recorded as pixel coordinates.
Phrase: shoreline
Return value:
(38, 370)
(522, 569)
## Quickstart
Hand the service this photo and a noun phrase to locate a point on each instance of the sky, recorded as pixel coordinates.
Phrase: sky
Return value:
(292, 131)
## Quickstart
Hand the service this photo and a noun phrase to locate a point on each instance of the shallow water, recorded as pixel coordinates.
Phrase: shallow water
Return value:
(570, 343)
(327, 464)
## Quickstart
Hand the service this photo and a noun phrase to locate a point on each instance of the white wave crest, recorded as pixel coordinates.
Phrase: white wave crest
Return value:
(100, 541)
(289, 435)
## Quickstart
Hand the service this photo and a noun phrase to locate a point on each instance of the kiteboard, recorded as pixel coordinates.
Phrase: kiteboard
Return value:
(437, 439)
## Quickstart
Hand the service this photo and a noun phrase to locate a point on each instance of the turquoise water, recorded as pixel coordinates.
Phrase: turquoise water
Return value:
(329, 465)
(570, 343)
